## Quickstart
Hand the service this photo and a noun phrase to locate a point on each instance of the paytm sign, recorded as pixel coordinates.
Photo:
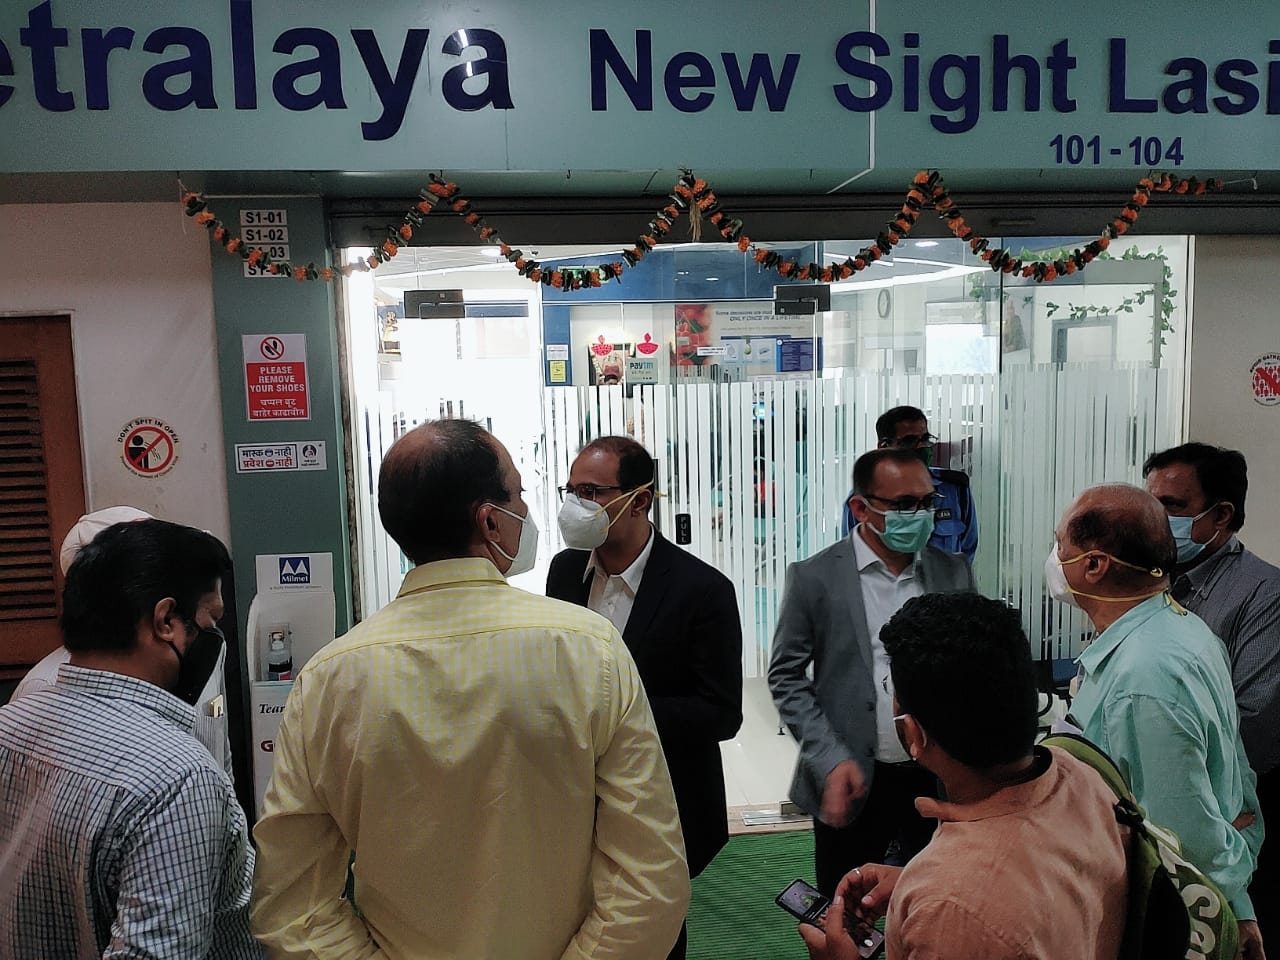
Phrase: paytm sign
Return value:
(294, 571)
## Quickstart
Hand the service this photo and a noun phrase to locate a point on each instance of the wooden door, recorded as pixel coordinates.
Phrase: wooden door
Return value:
(41, 482)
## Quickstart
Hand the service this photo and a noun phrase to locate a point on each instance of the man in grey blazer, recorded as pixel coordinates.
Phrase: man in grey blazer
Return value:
(852, 775)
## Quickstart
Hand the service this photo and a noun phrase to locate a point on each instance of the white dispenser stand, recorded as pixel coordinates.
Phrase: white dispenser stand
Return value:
(295, 592)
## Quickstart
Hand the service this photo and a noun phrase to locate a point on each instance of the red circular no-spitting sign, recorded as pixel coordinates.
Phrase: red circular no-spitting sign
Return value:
(149, 447)
(1264, 378)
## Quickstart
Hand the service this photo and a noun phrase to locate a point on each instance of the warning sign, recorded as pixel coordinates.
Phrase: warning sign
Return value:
(275, 376)
(149, 447)
(1264, 376)
(271, 457)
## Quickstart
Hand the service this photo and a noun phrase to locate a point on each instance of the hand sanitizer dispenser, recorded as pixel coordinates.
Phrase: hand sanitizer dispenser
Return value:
(290, 619)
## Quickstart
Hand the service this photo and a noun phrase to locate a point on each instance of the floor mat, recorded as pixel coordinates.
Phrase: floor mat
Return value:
(733, 914)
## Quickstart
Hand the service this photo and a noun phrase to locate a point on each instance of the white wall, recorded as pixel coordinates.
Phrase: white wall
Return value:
(136, 280)
(1235, 322)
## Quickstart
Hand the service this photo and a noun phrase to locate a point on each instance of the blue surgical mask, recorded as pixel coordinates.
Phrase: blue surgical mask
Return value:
(904, 532)
(1189, 549)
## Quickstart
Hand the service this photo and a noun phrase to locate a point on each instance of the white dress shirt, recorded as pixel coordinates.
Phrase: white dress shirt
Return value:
(883, 595)
(613, 596)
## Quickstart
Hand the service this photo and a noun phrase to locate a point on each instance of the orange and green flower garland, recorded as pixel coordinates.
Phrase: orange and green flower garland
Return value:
(692, 195)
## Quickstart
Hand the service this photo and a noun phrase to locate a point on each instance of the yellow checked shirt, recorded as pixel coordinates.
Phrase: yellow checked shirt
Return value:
(490, 757)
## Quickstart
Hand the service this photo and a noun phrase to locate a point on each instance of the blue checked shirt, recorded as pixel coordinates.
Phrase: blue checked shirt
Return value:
(119, 835)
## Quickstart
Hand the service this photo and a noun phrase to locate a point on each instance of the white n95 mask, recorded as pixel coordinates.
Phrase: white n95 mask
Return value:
(584, 525)
(527, 553)
(1056, 579)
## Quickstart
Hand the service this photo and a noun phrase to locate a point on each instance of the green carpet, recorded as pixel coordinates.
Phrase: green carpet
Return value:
(733, 915)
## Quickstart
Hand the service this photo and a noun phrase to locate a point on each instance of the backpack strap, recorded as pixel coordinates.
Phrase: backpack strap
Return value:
(1088, 752)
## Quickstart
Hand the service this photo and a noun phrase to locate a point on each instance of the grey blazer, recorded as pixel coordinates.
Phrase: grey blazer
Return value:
(822, 621)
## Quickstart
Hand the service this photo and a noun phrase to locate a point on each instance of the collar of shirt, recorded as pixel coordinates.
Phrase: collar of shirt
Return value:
(865, 557)
(630, 576)
(1200, 573)
(443, 573)
(1109, 640)
(1015, 798)
(116, 686)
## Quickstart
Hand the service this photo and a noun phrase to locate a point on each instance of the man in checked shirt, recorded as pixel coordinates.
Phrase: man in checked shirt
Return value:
(119, 834)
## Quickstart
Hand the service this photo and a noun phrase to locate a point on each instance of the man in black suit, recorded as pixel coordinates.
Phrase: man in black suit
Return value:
(678, 616)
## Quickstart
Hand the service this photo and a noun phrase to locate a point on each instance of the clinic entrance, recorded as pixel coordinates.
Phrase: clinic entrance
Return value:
(755, 403)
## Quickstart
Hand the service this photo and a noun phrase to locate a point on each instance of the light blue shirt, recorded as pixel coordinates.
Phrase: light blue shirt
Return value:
(119, 836)
(1156, 695)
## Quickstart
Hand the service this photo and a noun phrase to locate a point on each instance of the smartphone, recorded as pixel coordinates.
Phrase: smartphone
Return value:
(807, 905)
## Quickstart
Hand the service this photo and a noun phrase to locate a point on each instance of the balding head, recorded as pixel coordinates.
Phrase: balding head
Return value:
(431, 482)
(1125, 522)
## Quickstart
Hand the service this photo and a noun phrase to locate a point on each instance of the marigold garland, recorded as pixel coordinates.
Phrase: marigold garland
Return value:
(693, 195)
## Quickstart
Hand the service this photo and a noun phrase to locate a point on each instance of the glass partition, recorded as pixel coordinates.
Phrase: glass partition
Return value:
(755, 407)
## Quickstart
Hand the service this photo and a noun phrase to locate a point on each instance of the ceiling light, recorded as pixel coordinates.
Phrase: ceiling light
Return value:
(926, 243)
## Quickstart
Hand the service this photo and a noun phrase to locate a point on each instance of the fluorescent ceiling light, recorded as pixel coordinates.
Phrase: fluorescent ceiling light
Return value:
(951, 272)
(926, 243)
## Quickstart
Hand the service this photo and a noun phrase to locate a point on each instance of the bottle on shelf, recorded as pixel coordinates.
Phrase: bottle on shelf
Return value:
(279, 653)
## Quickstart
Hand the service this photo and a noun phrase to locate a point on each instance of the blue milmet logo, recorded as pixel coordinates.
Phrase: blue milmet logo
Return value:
(295, 570)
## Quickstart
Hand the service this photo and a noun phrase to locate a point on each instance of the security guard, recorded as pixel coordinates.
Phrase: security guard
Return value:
(955, 527)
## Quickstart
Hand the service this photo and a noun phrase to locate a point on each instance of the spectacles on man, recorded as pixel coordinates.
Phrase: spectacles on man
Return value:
(913, 441)
(907, 504)
(585, 491)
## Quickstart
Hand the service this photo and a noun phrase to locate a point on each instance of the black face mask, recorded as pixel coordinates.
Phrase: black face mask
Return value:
(196, 666)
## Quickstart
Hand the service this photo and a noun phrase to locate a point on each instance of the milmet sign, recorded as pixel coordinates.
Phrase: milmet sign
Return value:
(126, 85)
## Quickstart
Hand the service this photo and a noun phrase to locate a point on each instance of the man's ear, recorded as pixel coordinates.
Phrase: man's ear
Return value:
(858, 508)
(1096, 566)
(915, 736)
(487, 521)
(164, 618)
(1223, 514)
(642, 502)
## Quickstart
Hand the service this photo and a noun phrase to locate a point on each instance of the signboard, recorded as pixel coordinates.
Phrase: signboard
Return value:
(268, 230)
(276, 457)
(148, 447)
(275, 376)
(642, 370)
(1264, 378)
(329, 85)
(294, 571)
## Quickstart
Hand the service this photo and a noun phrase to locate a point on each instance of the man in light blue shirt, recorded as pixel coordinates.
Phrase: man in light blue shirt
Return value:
(1156, 688)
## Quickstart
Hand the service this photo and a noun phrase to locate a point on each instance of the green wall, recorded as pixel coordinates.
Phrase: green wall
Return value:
(295, 511)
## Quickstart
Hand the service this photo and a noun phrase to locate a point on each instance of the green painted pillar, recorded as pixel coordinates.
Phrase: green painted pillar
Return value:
(293, 511)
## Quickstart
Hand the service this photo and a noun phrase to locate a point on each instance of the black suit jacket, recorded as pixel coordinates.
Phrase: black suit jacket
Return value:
(686, 638)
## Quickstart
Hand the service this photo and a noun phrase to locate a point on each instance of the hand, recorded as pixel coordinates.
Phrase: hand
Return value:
(833, 942)
(1246, 820)
(845, 784)
(869, 888)
(1250, 941)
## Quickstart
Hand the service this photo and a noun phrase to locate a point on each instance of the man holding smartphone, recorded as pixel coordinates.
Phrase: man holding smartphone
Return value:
(1044, 817)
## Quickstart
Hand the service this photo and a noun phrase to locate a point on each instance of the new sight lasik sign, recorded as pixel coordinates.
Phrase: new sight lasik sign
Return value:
(238, 84)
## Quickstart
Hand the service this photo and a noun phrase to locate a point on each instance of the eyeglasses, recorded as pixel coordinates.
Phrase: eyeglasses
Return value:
(584, 491)
(913, 440)
(907, 504)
